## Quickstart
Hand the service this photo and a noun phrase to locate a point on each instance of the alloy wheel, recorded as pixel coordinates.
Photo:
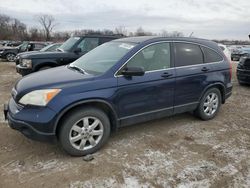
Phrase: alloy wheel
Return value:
(86, 133)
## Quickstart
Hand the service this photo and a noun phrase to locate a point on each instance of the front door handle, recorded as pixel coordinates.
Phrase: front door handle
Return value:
(204, 69)
(166, 75)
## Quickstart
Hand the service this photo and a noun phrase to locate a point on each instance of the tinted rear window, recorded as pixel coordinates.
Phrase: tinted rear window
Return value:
(187, 54)
(210, 55)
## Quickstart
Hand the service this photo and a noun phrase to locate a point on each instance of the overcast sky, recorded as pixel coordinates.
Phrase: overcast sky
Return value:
(212, 19)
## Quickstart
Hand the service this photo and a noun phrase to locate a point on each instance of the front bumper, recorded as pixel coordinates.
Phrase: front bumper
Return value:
(28, 122)
(23, 70)
(243, 76)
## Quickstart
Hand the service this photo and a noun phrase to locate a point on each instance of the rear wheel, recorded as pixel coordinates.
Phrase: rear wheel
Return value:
(209, 104)
(10, 57)
(84, 131)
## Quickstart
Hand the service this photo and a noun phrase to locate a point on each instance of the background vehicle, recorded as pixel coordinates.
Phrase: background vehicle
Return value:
(243, 70)
(237, 54)
(146, 78)
(68, 52)
(10, 53)
(49, 48)
(12, 43)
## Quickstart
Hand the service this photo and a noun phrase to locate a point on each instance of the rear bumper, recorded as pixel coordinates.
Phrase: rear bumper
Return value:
(243, 76)
(19, 121)
(23, 70)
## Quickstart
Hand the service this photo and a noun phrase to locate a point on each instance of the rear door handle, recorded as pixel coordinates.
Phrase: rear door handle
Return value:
(204, 69)
(166, 75)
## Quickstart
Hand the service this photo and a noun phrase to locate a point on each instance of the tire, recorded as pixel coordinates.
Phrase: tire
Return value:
(77, 140)
(10, 57)
(44, 68)
(206, 106)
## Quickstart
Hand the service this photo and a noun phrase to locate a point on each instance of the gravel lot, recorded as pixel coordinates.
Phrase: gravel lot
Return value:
(179, 151)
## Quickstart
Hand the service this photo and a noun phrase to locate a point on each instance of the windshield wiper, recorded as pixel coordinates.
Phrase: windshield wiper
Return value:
(77, 69)
(59, 49)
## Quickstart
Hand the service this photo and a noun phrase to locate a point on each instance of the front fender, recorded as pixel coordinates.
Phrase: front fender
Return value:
(78, 103)
(38, 63)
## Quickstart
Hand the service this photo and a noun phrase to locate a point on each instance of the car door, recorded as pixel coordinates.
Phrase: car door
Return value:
(150, 96)
(192, 75)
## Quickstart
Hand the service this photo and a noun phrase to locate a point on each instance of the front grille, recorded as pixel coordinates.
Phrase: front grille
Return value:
(247, 64)
(18, 60)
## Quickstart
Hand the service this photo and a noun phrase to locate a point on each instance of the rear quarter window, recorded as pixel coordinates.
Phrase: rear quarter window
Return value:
(187, 54)
(210, 55)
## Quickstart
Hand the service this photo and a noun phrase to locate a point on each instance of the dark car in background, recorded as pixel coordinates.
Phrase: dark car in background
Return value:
(13, 43)
(9, 53)
(50, 48)
(243, 71)
(68, 52)
(242, 52)
(119, 83)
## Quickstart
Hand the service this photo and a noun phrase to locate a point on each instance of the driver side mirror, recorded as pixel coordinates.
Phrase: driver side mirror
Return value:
(133, 71)
(78, 50)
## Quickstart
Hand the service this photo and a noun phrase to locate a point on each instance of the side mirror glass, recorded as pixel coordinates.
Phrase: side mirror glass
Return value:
(78, 50)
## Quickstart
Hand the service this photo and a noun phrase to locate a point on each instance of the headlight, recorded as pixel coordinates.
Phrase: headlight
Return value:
(26, 63)
(1, 52)
(39, 97)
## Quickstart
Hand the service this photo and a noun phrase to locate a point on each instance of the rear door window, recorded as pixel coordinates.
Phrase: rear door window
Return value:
(210, 55)
(187, 54)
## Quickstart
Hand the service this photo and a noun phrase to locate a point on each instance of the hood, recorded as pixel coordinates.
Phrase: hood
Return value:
(59, 77)
(26, 53)
(45, 55)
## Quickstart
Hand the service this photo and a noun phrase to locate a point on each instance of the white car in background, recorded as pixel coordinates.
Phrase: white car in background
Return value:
(225, 50)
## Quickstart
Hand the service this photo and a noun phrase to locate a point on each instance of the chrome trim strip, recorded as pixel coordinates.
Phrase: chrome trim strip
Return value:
(159, 110)
(116, 76)
(144, 113)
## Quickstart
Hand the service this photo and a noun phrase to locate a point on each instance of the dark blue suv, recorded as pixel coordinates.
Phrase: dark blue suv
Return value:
(119, 83)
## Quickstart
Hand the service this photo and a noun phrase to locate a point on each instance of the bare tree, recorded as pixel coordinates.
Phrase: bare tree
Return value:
(121, 30)
(48, 23)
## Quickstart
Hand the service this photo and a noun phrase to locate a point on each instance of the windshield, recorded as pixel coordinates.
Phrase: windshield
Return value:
(23, 46)
(46, 48)
(102, 58)
(66, 46)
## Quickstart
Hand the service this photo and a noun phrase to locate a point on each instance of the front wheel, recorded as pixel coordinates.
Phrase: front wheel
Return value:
(84, 131)
(10, 57)
(209, 104)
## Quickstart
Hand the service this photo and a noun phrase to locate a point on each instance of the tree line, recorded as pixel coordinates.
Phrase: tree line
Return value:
(14, 29)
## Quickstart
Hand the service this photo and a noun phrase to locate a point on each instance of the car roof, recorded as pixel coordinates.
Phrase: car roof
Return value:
(100, 36)
(152, 39)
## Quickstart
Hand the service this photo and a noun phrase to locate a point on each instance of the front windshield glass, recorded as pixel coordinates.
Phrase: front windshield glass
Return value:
(23, 46)
(46, 48)
(66, 46)
(102, 58)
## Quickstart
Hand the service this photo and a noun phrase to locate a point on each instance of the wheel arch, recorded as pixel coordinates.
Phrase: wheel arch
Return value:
(98, 103)
(219, 86)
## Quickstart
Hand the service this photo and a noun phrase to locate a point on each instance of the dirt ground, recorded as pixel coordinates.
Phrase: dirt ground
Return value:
(180, 151)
